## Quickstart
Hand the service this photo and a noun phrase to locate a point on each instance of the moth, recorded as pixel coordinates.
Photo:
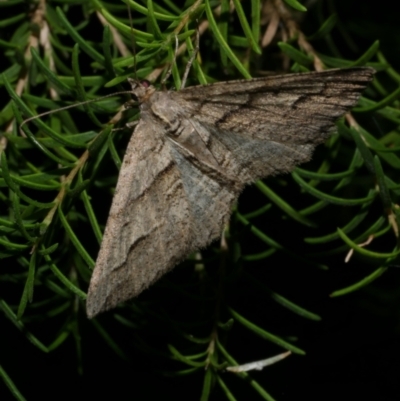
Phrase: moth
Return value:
(190, 156)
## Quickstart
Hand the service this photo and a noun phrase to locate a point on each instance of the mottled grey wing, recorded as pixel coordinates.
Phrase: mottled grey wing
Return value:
(269, 125)
(168, 204)
(163, 209)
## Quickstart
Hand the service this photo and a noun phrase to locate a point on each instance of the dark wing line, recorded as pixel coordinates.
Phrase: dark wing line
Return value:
(357, 75)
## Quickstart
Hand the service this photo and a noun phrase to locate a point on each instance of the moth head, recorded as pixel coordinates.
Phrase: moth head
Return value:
(141, 90)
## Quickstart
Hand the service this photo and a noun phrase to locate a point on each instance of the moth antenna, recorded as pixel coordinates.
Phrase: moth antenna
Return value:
(46, 113)
(169, 72)
(133, 43)
(192, 58)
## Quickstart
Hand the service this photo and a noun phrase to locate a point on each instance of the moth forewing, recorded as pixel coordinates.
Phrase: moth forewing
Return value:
(191, 155)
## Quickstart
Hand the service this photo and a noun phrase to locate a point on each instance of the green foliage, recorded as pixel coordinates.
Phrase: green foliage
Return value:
(58, 173)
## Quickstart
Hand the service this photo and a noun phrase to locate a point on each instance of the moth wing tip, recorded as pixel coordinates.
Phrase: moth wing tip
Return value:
(91, 310)
(93, 307)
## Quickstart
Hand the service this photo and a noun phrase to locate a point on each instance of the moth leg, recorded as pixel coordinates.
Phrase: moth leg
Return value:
(192, 58)
(130, 104)
(169, 72)
(132, 124)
